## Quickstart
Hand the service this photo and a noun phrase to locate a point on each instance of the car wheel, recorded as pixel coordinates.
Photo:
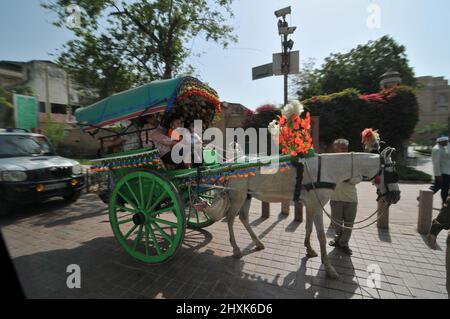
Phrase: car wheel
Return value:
(73, 197)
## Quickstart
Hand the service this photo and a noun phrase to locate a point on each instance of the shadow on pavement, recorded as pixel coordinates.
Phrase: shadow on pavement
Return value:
(108, 272)
(384, 235)
(55, 212)
(425, 240)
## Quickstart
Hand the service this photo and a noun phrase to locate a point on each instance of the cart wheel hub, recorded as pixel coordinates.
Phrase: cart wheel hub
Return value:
(139, 219)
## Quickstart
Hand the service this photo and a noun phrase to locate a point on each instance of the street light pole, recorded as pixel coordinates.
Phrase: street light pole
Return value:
(286, 46)
(285, 68)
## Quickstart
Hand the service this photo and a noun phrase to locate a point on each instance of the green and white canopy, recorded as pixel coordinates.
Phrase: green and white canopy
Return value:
(154, 97)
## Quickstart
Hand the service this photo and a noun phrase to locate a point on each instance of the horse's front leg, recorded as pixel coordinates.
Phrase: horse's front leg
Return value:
(236, 251)
(310, 252)
(236, 201)
(318, 222)
(243, 216)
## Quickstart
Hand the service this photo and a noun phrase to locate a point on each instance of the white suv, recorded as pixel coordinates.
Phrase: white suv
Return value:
(31, 171)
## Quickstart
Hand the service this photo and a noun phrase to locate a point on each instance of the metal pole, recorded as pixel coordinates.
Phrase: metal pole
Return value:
(285, 66)
(285, 89)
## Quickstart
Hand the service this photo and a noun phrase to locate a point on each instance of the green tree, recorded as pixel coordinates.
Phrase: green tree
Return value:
(426, 135)
(361, 68)
(306, 83)
(53, 130)
(94, 62)
(394, 112)
(121, 43)
(261, 118)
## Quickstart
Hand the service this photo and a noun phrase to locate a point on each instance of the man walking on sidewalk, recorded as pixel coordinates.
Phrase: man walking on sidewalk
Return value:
(441, 167)
(442, 221)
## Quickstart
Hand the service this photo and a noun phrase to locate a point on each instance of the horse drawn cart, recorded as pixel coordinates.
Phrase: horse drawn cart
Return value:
(150, 206)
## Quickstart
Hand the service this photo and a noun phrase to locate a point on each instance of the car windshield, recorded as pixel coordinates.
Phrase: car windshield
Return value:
(24, 145)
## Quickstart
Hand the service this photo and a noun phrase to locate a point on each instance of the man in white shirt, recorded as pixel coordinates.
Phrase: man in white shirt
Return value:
(344, 203)
(441, 166)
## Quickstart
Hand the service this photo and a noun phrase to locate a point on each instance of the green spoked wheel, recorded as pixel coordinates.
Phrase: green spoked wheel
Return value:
(200, 219)
(147, 216)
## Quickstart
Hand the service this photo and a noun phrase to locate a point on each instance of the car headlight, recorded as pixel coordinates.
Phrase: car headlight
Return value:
(14, 176)
(76, 169)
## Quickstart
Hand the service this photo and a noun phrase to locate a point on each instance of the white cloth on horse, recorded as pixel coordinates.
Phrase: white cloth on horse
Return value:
(328, 168)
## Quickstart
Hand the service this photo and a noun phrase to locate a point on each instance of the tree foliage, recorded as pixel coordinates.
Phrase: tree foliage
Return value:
(305, 84)
(361, 69)
(394, 112)
(426, 135)
(53, 130)
(262, 116)
(119, 44)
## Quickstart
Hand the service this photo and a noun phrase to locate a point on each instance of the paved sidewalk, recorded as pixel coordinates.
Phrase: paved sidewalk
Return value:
(44, 241)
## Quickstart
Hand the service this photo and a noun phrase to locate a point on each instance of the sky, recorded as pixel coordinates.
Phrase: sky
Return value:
(323, 27)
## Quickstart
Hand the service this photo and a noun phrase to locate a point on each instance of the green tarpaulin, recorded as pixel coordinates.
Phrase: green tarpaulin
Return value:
(156, 96)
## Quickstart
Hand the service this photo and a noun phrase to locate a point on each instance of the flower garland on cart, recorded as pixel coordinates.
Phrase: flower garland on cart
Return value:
(292, 129)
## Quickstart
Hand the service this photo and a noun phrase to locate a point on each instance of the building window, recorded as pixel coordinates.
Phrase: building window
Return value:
(42, 107)
(59, 108)
(442, 101)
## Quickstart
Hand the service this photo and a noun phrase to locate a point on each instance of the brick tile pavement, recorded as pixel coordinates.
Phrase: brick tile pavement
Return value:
(43, 241)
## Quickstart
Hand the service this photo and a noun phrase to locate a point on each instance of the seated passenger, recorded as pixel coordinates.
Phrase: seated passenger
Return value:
(172, 133)
(157, 135)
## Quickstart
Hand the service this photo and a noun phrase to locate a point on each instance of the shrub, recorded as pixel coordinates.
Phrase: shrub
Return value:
(53, 130)
(393, 111)
(426, 135)
(410, 174)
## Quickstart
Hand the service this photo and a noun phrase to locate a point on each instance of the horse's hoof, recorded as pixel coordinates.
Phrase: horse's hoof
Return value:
(332, 274)
(237, 255)
(260, 246)
(311, 254)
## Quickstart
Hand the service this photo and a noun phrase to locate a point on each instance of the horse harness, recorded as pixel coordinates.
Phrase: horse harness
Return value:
(319, 183)
(389, 177)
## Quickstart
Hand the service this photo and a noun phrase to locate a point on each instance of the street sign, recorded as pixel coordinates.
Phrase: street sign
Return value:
(262, 71)
(294, 63)
(25, 111)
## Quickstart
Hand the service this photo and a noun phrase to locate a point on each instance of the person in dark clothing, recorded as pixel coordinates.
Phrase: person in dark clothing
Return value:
(442, 221)
(447, 264)
(441, 167)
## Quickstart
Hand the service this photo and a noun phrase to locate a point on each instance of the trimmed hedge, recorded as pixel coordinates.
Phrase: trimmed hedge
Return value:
(410, 174)
(393, 111)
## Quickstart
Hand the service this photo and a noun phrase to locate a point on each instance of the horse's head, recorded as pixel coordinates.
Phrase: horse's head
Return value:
(387, 180)
(371, 140)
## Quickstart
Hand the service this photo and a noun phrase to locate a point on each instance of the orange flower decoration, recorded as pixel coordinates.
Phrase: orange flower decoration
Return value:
(295, 138)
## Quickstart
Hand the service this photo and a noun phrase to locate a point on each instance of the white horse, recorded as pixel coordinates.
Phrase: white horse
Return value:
(320, 173)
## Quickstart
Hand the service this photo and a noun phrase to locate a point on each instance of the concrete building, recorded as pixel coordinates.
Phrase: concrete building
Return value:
(56, 94)
(434, 100)
(233, 115)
